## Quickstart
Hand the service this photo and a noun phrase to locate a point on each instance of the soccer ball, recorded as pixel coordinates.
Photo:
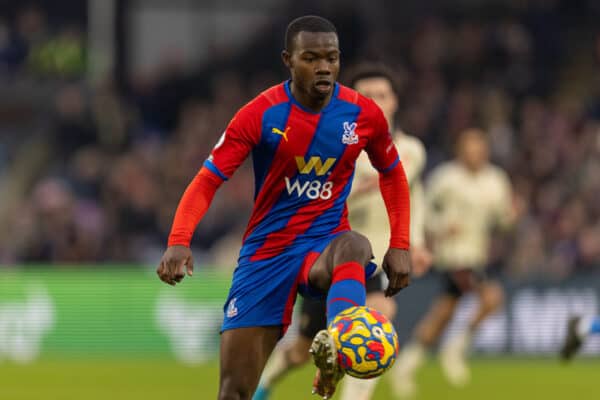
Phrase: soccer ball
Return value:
(366, 342)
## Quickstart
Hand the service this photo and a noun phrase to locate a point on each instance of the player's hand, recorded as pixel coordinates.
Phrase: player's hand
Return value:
(396, 265)
(174, 264)
(421, 260)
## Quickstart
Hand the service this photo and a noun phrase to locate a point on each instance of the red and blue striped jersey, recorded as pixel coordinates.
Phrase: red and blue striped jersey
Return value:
(303, 163)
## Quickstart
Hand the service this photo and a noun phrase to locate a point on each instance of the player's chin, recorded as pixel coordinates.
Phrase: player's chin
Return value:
(322, 89)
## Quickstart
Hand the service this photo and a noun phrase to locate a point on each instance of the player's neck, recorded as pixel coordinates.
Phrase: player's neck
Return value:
(472, 169)
(312, 103)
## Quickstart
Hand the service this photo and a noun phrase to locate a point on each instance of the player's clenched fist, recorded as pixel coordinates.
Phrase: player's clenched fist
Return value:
(397, 267)
(174, 263)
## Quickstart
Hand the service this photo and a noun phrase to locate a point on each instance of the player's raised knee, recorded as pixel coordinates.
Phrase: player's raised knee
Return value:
(352, 246)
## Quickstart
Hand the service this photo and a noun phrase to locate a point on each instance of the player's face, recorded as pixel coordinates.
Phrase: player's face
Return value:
(473, 151)
(314, 63)
(380, 90)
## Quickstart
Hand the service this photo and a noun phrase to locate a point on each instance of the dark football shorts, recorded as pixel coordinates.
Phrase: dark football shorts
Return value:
(313, 311)
(457, 283)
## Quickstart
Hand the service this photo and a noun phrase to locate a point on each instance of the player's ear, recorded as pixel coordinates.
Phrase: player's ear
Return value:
(287, 58)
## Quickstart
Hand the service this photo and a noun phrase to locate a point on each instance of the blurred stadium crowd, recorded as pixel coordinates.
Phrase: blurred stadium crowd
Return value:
(93, 173)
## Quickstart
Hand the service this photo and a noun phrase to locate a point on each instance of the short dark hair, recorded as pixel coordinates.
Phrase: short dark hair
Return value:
(307, 23)
(372, 70)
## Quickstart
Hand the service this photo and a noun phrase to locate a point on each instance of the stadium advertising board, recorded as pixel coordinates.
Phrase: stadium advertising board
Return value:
(128, 312)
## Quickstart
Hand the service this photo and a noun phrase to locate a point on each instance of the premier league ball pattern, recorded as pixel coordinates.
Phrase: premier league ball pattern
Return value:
(366, 342)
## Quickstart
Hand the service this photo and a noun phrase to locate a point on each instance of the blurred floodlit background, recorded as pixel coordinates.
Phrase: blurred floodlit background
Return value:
(109, 107)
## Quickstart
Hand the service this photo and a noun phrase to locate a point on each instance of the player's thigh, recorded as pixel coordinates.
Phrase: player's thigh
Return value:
(436, 319)
(347, 247)
(491, 294)
(244, 353)
(443, 307)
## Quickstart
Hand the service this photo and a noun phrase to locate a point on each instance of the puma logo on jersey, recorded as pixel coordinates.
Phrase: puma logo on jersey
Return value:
(281, 133)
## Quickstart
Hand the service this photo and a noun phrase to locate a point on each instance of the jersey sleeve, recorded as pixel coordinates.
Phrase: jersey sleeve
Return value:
(193, 205)
(239, 138)
(380, 148)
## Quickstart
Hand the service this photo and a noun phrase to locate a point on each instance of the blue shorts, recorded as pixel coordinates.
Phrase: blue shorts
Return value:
(263, 292)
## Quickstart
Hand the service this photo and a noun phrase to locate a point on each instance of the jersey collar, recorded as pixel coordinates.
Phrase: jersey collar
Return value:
(288, 91)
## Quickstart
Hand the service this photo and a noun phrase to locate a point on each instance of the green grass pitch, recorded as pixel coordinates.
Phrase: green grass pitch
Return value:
(149, 379)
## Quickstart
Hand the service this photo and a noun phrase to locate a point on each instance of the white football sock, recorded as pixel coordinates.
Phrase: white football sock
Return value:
(411, 357)
(453, 359)
(358, 389)
(583, 327)
(403, 372)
